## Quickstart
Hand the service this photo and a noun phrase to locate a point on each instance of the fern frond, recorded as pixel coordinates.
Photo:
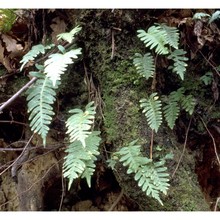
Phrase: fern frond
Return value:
(41, 97)
(179, 66)
(215, 15)
(152, 109)
(80, 160)
(151, 177)
(144, 65)
(7, 19)
(80, 123)
(188, 103)
(33, 53)
(200, 15)
(172, 35)
(57, 63)
(70, 35)
(155, 37)
(172, 109)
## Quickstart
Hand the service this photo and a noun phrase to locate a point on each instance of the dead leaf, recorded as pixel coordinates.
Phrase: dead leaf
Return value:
(58, 27)
(12, 46)
(5, 60)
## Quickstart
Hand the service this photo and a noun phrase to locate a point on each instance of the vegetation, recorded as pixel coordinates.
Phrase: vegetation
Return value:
(161, 98)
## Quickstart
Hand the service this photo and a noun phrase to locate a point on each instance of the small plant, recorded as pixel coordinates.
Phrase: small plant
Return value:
(151, 173)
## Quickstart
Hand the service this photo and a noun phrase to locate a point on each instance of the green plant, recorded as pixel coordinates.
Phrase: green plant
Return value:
(7, 19)
(83, 142)
(151, 174)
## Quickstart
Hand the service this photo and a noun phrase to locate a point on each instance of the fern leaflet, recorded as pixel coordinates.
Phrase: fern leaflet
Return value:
(155, 37)
(40, 98)
(80, 160)
(33, 53)
(151, 177)
(144, 65)
(215, 15)
(80, 123)
(152, 109)
(70, 35)
(180, 64)
(57, 64)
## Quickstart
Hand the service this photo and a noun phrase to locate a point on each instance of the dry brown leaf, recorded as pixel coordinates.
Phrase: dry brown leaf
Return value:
(58, 27)
(4, 60)
(12, 46)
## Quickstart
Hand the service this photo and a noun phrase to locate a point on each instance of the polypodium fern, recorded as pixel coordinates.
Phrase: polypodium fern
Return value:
(179, 66)
(57, 63)
(69, 36)
(144, 65)
(155, 37)
(79, 124)
(34, 52)
(80, 160)
(152, 109)
(41, 97)
(188, 104)
(151, 176)
(172, 108)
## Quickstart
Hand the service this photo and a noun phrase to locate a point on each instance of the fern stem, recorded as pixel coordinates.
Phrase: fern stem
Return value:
(154, 81)
(151, 144)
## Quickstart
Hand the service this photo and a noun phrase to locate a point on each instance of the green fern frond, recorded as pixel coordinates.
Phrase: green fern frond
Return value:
(172, 108)
(57, 63)
(200, 15)
(180, 64)
(144, 65)
(80, 123)
(41, 97)
(151, 177)
(215, 15)
(172, 35)
(152, 109)
(69, 37)
(34, 52)
(155, 37)
(188, 103)
(80, 160)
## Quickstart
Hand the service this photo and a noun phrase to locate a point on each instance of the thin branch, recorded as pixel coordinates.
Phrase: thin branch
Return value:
(17, 94)
(116, 201)
(12, 121)
(184, 148)
(17, 159)
(216, 204)
(213, 141)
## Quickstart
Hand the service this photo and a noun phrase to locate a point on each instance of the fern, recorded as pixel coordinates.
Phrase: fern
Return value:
(215, 15)
(80, 160)
(200, 15)
(172, 35)
(180, 64)
(188, 104)
(152, 109)
(172, 108)
(70, 35)
(57, 63)
(80, 123)
(151, 177)
(154, 38)
(41, 97)
(33, 53)
(144, 65)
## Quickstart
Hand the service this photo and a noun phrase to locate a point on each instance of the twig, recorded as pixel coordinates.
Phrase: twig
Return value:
(12, 121)
(63, 191)
(117, 200)
(151, 144)
(213, 141)
(216, 204)
(184, 148)
(17, 93)
(17, 159)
